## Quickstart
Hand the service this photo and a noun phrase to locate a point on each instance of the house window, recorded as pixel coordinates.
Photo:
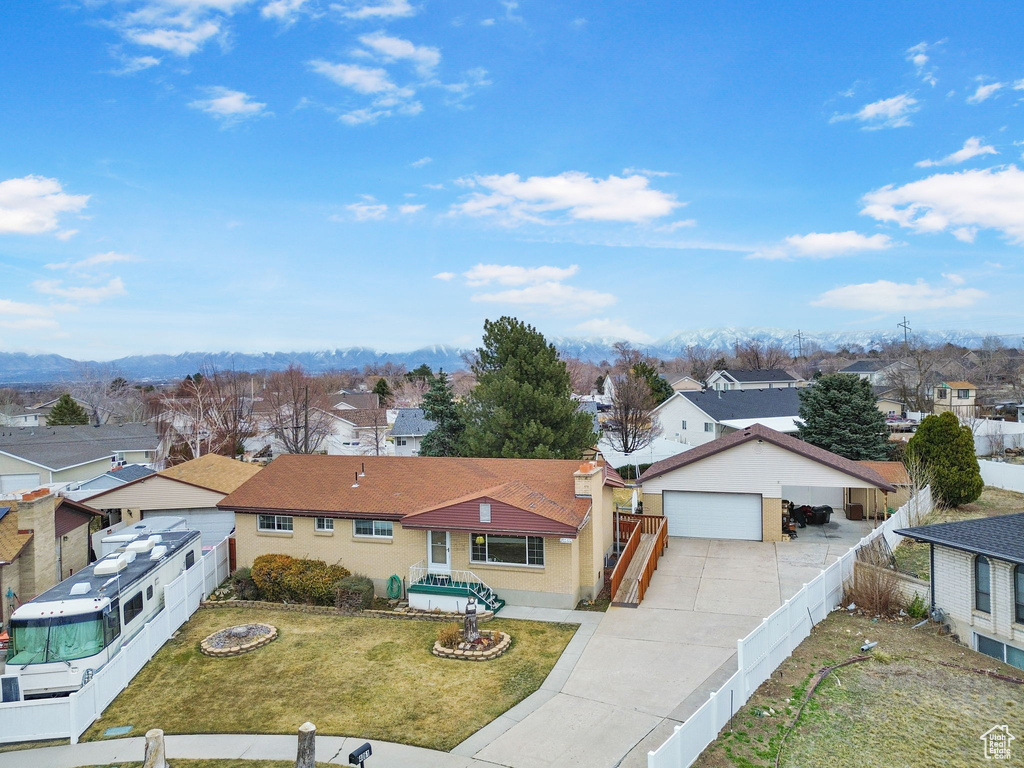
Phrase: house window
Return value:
(982, 585)
(485, 513)
(275, 523)
(399, 441)
(684, 425)
(324, 524)
(997, 650)
(709, 426)
(508, 550)
(940, 393)
(1018, 591)
(133, 607)
(381, 529)
(963, 394)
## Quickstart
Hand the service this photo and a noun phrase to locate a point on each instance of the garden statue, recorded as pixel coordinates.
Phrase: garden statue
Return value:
(470, 634)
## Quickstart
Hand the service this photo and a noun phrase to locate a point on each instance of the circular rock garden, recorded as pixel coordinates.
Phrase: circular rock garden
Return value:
(237, 640)
(489, 646)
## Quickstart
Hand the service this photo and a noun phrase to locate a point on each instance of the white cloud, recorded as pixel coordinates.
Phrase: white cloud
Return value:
(10, 308)
(824, 245)
(422, 162)
(132, 64)
(183, 42)
(555, 296)
(444, 276)
(368, 211)
(423, 57)
(992, 198)
(887, 296)
(99, 259)
(972, 148)
(984, 92)
(360, 79)
(955, 279)
(573, 193)
(487, 23)
(887, 113)
(434, 186)
(84, 293)
(376, 9)
(409, 208)
(19, 316)
(508, 274)
(32, 205)
(614, 328)
(646, 172)
(230, 107)
(918, 56)
(360, 116)
(282, 10)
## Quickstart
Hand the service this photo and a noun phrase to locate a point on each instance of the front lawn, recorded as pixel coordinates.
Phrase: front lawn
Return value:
(899, 708)
(350, 676)
(239, 763)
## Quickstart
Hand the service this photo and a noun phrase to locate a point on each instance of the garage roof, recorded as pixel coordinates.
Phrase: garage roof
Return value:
(761, 432)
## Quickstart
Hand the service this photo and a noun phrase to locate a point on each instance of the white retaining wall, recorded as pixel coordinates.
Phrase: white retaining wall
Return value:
(1003, 475)
(69, 717)
(763, 650)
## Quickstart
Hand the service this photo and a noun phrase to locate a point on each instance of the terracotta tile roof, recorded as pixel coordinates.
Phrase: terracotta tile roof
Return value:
(396, 486)
(894, 472)
(11, 542)
(761, 432)
(218, 473)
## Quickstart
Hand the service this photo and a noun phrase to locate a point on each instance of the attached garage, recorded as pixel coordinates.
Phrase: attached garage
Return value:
(214, 524)
(705, 515)
(23, 482)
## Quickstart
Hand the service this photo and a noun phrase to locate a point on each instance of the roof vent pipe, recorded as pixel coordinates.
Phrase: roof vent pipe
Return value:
(356, 483)
(362, 470)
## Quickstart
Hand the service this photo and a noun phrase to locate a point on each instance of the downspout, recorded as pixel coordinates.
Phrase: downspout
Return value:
(931, 566)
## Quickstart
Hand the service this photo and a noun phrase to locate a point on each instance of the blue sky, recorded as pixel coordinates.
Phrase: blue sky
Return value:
(301, 174)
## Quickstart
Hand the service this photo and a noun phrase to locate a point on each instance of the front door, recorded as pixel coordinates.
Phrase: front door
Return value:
(439, 552)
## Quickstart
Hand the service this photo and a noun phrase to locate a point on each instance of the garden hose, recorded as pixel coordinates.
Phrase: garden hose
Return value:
(394, 587)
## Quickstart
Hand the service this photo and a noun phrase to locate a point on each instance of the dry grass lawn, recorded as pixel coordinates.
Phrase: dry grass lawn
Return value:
(370, 678)
(900, 708)
(912, 557)
(241, 763)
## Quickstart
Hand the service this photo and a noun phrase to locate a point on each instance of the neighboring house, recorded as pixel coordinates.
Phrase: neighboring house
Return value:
(410, 427)
(526, 532)
(35, 456)
(977, 581)
(360, 432)
(740, 379)
(956, 396)
(97, 414)
(733, 488)
(872, 371)
(696, 418)
(191, 490)
(686, 384)
(658, 449)
(115, 478)
(43, 540)
(351, 399)
(888, 401)
(873, 501)
(22, 419)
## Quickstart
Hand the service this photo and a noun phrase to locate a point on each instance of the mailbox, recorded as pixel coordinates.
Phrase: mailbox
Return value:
(359, 756)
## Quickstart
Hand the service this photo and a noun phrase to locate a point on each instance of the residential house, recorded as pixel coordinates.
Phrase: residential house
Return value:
(873, 371)
(873, 502)
(353, 399)
(98, 414)
(24, 418)
(696, 418)
(43, 539)
(956, 396)
(190, 490)
(740, 379)
(686, 384)
(360, 432)
(115, 478)
(526, 532)
(977, 581)
(35, 456)
(733, 487)
(888, 400)
(409, 429)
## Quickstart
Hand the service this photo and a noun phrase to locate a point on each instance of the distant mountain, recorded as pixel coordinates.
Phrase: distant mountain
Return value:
(21, 368)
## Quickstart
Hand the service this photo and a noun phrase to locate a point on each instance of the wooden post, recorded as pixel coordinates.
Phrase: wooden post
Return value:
(155, 756)
(306, 755)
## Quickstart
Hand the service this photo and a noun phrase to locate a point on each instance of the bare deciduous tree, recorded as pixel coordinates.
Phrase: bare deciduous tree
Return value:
(296, 410)
(760, 355)
(630, 425)
(701, 361)
(209, 412)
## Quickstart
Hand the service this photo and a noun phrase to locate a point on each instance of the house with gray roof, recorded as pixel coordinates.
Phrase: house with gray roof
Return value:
(696, 418)
(977, 581)
(870, 370)
(411, 426)
(733, 379)
(35, 456)
(114, 478)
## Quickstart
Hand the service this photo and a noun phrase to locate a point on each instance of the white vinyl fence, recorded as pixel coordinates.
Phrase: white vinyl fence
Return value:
(1003, 475)
(763, 650)
(69, 717)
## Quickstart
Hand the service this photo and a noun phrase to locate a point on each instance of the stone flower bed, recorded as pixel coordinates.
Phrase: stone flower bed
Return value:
(398, 613)
(235, 641)
(495, 644)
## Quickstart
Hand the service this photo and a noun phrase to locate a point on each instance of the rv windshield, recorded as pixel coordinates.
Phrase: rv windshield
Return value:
(60, 638)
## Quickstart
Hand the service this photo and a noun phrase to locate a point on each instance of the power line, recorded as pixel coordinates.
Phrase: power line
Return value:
(800, 342)
(906, 331)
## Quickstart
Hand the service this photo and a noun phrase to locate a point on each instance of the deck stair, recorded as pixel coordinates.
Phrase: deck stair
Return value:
(458, 583)
(630, 586)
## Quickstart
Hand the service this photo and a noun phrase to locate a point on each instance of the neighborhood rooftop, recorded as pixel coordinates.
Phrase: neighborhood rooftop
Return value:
(863, 366)
(1000, 537)
(746, 403)
(68, 446)
(743, 375)
(218, 473)
(411, 422)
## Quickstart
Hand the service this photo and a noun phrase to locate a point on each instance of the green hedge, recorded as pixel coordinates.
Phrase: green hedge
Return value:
(353, 593)
(285, 579)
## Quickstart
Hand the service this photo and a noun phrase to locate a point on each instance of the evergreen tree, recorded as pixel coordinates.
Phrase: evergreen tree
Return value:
(383, 391)
(439, 406)
(66, 411)
(945, 450)
(840, 414)
(521, 406)
(661, 390)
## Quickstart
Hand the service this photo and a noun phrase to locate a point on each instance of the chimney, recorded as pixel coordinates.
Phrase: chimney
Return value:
(36, 511)
(585, 477)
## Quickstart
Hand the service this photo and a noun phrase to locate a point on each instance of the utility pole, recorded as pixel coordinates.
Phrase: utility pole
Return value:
(800, 342)
(906, 331)
(305, 423)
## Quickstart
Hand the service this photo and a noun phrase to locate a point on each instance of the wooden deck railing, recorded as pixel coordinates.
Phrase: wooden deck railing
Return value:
(627, 554)
(648, 524)
(652, 557)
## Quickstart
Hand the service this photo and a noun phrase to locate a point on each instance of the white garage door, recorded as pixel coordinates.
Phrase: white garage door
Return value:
(214, 523)
(713, 515)
(12, 483)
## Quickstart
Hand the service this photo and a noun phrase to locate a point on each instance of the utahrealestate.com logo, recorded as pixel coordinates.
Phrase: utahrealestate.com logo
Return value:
(997, 742)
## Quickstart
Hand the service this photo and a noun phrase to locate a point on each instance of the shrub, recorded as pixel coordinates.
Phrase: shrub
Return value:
(245, 588)
(945, 449)
(449, 635)
(282, 578)
(353, 593)
(876, 591)
(917, 608)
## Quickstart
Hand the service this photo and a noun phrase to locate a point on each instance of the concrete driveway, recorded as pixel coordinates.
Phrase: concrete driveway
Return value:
(645, 670)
